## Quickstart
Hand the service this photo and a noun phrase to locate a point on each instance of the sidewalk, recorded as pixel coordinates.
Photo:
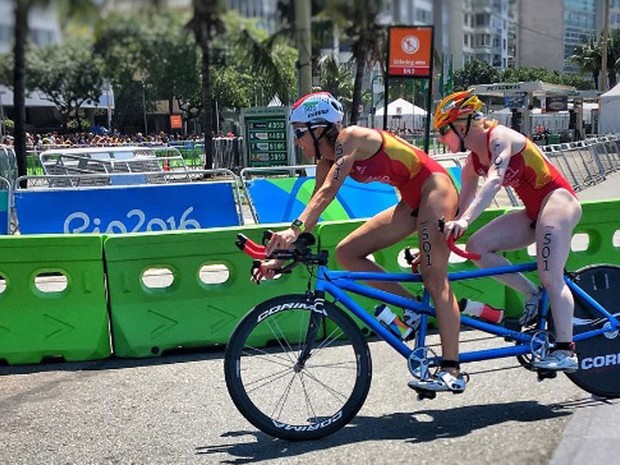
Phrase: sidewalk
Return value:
(592, 437)
(606, 190)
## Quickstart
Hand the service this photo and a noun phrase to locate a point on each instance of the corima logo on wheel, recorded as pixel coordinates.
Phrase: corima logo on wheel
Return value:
(600, 361)
(313, 306)
(314, 427)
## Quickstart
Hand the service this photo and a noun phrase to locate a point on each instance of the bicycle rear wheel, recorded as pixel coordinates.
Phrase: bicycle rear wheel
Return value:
(283, 394)
(599, 357)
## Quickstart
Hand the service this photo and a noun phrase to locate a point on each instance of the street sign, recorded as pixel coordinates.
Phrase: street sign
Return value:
(267, 137)
(410, 51)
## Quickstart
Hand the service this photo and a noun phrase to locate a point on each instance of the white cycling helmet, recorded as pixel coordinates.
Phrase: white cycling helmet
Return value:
(317, 107)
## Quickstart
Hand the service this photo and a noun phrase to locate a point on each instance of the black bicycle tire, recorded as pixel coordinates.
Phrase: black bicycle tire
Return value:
(601, 381)
(263, 422)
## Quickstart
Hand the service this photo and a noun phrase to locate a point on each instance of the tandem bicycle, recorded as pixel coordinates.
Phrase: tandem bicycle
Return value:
(298, 366)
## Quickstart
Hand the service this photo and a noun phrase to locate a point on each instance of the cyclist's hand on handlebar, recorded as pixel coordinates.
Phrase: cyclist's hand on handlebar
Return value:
(413, 259)
(281, 240)
(455, 228)
(266, 270)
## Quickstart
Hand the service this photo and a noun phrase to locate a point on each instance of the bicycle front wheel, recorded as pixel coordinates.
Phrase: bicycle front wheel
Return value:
(297, 370)
(599, 357)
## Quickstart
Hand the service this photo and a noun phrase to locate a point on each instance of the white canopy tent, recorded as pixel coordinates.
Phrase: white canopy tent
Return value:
(401, 115)
(609, 111)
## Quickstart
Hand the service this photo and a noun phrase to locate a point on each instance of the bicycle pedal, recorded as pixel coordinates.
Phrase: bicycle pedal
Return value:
(546, 374)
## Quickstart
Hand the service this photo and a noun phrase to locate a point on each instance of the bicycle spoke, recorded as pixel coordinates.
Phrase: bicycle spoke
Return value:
(309, 407)
(282, 400)
(267, 356)
(269, 379)
(338, 365)
(327, 341)
(281, 339)
(284, 381)
(337, 395)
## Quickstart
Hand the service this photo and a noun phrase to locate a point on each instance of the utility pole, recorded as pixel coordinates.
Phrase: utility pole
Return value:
(603, 74)
(304, 45)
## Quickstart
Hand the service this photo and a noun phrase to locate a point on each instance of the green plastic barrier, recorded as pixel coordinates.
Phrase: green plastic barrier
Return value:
(599, 222)
(191, 311)
(40, 319)
(481, 289)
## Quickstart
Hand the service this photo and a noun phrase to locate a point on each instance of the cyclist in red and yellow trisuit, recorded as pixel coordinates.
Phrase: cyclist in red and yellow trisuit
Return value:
(507, 158)
(427, 194)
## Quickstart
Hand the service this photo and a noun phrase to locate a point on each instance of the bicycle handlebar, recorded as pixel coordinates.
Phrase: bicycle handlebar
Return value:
(456, 249)
(461, 252)
(250, 247)
(299, 253)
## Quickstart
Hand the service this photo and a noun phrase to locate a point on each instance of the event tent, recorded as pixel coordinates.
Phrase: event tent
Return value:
(401, 114)
(609, 112)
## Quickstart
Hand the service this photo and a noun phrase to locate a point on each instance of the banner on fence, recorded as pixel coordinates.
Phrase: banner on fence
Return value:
(127, 209)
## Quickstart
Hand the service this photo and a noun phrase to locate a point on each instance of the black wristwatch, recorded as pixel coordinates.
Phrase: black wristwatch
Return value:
(299, 225)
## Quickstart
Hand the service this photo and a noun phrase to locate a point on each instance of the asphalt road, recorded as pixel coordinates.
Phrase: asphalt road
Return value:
(176, 410)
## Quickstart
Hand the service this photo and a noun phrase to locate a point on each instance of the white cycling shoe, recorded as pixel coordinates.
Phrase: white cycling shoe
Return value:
(558, 360)
(442, 381)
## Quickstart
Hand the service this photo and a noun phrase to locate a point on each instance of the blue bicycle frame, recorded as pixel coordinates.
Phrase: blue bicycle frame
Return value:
(338, 283)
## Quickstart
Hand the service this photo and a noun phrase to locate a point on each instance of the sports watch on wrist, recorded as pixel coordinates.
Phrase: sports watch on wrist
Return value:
(299, 225)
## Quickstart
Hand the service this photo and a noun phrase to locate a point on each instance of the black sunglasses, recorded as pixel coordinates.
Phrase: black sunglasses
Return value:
(298, 133)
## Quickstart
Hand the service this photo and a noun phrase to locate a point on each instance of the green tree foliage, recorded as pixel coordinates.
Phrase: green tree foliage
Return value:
(206, 24)
(336, 78)
(171, 59)
(264, 65)
(359, 20)
(588, 56)
(67, 75)
(119, 42)
(67, 9)
(478, 72)
(475, 72)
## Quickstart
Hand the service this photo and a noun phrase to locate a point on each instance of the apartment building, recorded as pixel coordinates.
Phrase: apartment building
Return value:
(550, 31)
(43, 22)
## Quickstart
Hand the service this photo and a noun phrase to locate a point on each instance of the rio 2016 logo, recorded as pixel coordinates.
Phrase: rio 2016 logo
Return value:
(79, 222)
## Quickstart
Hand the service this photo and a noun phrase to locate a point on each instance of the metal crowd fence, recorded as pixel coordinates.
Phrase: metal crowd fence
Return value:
(583, 163)
(229, 153)
(588, 162)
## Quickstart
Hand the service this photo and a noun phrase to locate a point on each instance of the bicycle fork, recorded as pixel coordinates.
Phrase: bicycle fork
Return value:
(314, 324)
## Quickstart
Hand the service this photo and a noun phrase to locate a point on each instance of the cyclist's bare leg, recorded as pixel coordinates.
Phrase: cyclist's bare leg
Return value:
(560, 214)
(510, 231)
(439, 200)
(381, 231)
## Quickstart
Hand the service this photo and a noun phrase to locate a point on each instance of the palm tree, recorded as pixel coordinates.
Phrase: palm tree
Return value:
(336, 79)
(206, 23)
(613, 57)
(359, 21)
(588, 57)
(67, 9)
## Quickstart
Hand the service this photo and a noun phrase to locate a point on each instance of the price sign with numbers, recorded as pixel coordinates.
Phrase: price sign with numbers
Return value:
(267, 136)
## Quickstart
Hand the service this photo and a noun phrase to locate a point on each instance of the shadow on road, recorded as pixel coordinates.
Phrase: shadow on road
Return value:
(417, 427)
